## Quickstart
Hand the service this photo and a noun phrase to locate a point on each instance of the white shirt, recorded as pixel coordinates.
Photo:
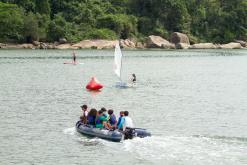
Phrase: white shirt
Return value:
(85, 113)
(128, 122)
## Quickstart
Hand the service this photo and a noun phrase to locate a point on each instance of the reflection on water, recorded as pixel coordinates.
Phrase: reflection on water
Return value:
(192, 101)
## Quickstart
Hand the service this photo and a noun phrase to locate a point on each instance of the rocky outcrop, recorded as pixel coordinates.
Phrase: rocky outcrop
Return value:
(98, 44)
(203, 46)
(231, 45)
(158, 42)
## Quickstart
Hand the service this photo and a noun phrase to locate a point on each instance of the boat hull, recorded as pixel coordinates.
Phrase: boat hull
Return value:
(112, 135)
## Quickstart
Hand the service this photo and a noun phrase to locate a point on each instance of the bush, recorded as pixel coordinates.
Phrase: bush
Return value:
(123, 25)
(100, 34)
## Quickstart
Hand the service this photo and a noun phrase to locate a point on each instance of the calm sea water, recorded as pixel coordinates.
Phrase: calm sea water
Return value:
(193, 101)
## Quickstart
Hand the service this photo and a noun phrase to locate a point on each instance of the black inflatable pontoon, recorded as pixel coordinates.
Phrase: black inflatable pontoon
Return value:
(112, 135)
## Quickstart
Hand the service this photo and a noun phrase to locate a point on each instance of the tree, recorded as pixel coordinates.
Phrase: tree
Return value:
(31, 28)
(11, 21)
(43, 7)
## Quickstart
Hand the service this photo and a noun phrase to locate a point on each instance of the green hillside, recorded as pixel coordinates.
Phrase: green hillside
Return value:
(217, 21)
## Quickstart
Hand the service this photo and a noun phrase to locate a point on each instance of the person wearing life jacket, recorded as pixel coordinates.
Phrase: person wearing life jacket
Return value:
(101, 121)
(83, 118)
(92, 116)
(112, 120)
(120, 120)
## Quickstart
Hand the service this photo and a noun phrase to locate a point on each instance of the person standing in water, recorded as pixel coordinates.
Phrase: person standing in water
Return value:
(74, 57)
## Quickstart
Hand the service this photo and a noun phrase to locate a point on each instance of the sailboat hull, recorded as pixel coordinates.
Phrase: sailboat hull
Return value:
(121, 85)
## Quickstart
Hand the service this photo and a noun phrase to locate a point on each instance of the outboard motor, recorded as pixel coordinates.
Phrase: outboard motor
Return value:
(129, 133)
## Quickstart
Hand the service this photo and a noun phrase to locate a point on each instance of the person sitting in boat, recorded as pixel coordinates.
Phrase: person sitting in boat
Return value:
(120, 120)
(107, 116)
(83, 118)
(128, 126)
(101, 121)
(112, 120)
(133, 78)
(127, 123)
(92, 116)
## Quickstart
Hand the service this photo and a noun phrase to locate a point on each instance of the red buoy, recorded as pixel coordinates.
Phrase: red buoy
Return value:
(94, 84)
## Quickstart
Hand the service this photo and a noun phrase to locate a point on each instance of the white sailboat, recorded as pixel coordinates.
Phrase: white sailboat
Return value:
(118, 66)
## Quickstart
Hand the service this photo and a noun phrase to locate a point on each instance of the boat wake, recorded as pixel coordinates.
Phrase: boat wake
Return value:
(189, 149)
(69, 131)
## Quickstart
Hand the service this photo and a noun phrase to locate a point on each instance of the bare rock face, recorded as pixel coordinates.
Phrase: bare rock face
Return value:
(177, 37)
(231, 45)
(243, 43)
(203, 46)
(158, 42)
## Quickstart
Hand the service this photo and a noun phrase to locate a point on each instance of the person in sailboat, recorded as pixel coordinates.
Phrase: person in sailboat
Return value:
(133, 78)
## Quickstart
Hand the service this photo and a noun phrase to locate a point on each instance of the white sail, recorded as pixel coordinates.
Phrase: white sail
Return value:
(117, 60)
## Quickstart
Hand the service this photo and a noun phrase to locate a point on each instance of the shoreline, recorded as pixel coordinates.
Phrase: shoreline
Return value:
(177, 41)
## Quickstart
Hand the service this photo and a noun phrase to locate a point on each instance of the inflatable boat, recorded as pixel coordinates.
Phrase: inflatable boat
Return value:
(89, 130)
(112, 135)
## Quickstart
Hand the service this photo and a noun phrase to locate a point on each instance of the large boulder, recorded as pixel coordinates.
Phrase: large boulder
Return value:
(180, 40)
(158, 42)
(203, 46)
(177, 37)
(231, 45)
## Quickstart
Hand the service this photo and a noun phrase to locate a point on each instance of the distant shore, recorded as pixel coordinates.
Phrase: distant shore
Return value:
(177, 41)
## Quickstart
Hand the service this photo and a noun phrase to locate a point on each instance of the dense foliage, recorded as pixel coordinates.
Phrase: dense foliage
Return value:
(49, 20)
